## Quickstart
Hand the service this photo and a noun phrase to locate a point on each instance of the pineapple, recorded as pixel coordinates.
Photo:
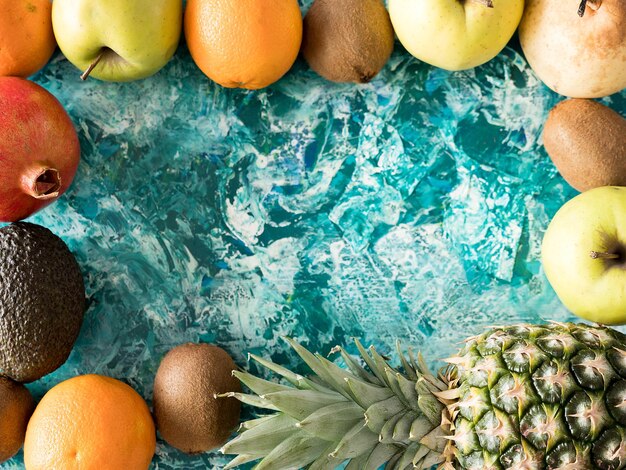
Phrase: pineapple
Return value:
(519, 397)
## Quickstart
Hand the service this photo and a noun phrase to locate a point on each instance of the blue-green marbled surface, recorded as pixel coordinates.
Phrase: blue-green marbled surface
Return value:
(412, 207)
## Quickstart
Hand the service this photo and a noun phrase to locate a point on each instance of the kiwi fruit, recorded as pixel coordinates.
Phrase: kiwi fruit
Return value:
(347, 40)
(587, 142)
(187, 412)
(16, 407)
(42, 301)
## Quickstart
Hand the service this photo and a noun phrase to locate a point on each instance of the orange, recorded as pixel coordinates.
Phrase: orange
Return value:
(90, 422)
(26, 38)
(243, 43)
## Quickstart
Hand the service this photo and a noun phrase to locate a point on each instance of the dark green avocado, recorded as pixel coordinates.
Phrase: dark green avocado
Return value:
(42, 301)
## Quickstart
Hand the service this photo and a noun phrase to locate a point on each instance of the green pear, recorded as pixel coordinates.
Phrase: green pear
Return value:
(576, 48)
(118, 40)
(584, 255)
(455, 34)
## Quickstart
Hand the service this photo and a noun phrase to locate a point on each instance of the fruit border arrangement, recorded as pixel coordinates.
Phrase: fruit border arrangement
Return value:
(521, 397)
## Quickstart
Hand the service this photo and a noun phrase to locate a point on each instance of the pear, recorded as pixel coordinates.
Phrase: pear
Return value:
(587, 142)
(576, 48)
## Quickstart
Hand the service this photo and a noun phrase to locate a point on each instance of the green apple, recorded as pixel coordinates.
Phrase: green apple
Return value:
(455, 34)
(584, 255)
(118, 40)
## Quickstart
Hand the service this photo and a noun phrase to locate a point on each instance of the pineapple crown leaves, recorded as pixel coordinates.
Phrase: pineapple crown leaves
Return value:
(369, 415)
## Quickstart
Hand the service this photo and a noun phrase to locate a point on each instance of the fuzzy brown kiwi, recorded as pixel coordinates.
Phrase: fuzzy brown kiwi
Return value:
(347, 40)
(587, 142)
(16, 407)
(188, 415)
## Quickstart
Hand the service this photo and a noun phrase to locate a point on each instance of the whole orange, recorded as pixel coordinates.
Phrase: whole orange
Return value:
(90, 422)
(26, 38)
(244, 43)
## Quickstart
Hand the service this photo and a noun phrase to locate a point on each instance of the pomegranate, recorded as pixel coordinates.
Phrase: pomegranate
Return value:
(39, 149)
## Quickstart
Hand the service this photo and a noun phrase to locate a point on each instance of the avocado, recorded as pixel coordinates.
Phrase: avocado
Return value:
(16, 407)
(188, 415)
(347, 40)
(42, 301)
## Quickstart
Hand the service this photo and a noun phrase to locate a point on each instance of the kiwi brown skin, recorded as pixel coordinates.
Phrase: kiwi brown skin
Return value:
(587, 142)
(16, 407)
(188, 415)
(347, 40)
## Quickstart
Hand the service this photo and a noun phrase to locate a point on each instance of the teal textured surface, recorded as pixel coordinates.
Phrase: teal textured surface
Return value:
(412, 207)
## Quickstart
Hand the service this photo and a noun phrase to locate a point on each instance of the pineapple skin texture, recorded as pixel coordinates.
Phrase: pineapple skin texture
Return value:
(542, 397)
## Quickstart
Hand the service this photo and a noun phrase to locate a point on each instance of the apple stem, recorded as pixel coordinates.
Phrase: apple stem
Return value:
(593, 4)
(487, 3)
(85, 74)
(602, 255)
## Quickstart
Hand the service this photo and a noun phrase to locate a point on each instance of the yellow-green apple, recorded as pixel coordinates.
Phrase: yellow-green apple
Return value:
(118, 40)
(455, 34)
(576, 48)
(584, 255)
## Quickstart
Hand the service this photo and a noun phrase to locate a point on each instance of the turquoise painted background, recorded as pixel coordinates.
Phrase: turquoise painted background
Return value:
(412, 207)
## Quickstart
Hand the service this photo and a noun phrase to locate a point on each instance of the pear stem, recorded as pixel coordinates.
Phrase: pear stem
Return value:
(85, 74)
(603, 255)
(487, 3)
(593, 4)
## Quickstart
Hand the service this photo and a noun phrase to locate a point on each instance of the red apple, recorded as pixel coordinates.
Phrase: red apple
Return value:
(39, 149)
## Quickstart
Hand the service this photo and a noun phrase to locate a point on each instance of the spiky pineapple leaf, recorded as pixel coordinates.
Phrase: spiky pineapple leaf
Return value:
(339, 376)
(357, 463)
(427, 403)
(409, 370)
(394, 385)
(296, 380)
(258, 385)
(379, 413)
(263, 438)
(241, 459)
(371, 363)
(407, 388)
(325, 461)
(317, 366)
(385, 435)
(365, 417)
(357, 370)
(381, 454)
(343, 416)
(367, 394)
(431, 459)
(252, 423)
(295, 452)
(252, 400)
(420, 454)
(408, 456)
(301, 403)
(358, 440)
(381, 364)
(402, 429)
(391, 465)
(419, 428)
